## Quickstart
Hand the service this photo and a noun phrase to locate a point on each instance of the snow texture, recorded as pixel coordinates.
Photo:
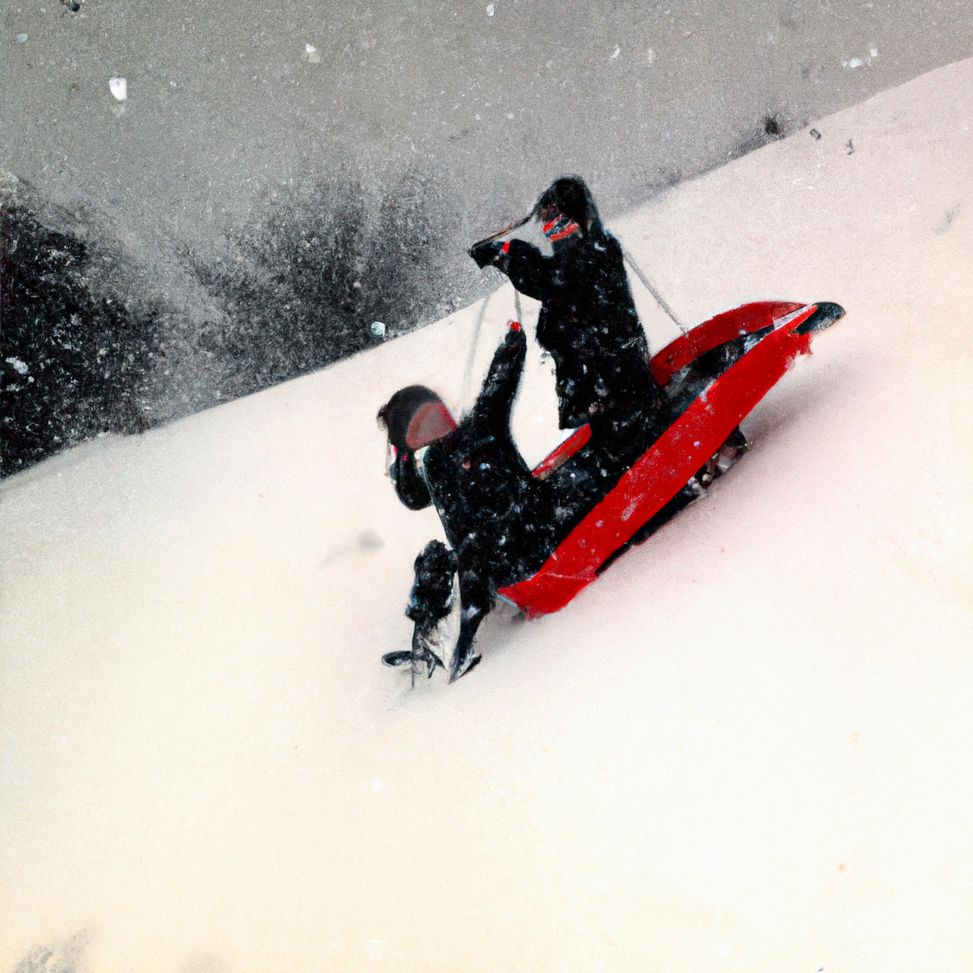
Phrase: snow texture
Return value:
(241, 118)
(746, 746)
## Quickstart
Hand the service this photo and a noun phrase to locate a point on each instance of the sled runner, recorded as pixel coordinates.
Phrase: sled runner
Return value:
(713, 376)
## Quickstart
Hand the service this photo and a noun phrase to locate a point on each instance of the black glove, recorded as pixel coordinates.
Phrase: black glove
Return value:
(486, 252)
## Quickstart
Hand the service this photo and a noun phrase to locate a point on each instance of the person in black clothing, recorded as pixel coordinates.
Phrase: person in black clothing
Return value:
(500, 520)
(588, 322)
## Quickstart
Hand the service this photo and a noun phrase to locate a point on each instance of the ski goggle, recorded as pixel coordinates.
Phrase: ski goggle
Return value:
(559, 228)
(431, 421)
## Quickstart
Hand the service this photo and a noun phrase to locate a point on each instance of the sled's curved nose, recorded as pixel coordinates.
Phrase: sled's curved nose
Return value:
(826, 315)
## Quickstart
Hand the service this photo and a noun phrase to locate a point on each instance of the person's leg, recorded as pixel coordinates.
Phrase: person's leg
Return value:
(430, 602)
(477, 599)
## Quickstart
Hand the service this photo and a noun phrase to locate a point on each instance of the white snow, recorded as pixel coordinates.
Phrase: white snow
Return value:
(375, 949)
(746, 745)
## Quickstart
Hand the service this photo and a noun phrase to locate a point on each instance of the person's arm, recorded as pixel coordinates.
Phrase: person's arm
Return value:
(408, 480)
(500, 386)
(529, 270)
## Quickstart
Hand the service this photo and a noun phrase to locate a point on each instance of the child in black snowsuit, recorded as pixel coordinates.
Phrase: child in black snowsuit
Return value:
(500, 520)
(588, 322)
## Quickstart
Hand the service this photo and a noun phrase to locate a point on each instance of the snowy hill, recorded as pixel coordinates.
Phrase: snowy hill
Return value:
(745, 747)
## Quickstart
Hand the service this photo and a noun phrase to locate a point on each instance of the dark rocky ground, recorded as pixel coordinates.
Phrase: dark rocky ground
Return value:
(281, 176)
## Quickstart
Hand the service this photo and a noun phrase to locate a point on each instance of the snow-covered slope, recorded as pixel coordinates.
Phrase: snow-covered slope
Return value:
(745, 747)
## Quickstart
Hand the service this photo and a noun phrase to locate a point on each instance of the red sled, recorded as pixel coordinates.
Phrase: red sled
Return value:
(713, 376)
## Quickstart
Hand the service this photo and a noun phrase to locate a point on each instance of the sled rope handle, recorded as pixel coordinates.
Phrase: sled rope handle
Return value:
(630, 260)
(468, 373)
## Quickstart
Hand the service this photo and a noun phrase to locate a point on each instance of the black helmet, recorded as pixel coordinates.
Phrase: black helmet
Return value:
(398, 412)
(571, 198)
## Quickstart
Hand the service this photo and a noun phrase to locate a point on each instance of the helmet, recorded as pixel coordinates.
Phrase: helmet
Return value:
(414, 417)
(568, 197)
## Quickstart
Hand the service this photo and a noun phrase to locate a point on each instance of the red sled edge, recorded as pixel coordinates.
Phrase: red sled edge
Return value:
(673, 459)
(716, 331)
(677, 354)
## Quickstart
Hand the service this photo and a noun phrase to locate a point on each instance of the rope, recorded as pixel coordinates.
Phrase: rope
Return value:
(468, 373)
(630, 260)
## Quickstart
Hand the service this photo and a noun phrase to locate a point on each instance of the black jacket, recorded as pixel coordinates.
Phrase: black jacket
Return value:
(496, 514)
(588, 322)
